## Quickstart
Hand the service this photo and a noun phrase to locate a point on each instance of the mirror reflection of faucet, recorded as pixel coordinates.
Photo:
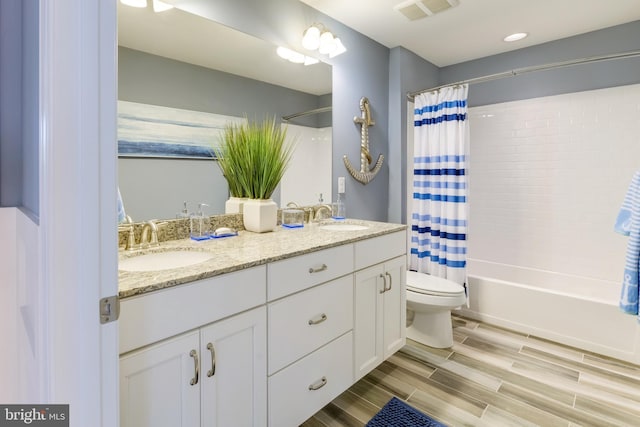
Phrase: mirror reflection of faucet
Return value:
(318, 209)
(148, 238)
(152, 227)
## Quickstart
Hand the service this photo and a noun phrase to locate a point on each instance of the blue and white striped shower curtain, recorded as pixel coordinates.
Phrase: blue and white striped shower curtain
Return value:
(439, 213)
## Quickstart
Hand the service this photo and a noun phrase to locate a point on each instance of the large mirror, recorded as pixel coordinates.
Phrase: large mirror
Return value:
(182, 63)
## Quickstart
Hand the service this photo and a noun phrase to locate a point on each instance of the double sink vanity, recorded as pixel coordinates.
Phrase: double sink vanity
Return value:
(257, 329)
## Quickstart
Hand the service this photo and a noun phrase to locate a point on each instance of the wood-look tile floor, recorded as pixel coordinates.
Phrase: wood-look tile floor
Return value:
(495, 377)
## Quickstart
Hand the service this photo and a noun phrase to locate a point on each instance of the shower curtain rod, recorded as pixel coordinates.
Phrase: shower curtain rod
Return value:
(306, 113)
(524, 70)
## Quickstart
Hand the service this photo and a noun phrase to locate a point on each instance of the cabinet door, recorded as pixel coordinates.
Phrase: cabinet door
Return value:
(395, 312)
(367, 331)
(234, 371)
(156, 387)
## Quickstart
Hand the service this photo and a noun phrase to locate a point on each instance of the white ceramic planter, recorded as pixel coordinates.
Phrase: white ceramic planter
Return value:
(260, 215)
(234, 205)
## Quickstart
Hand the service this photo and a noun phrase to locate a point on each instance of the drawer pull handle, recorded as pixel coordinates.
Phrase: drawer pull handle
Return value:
(318, 384)
(390, 281)
(323, 267)
(320, 319)
(194, 380)
(211, 372)
(384, 287)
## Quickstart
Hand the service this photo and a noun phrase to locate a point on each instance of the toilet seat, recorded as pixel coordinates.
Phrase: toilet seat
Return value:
(432, 285)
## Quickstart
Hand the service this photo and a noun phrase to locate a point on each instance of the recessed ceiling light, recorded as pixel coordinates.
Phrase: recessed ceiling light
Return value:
(515, 37)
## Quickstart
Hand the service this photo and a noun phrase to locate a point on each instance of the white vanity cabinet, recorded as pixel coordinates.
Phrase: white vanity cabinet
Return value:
(155, 388)
(310, 339)
(380, 301)
(213, 375)
(264, 346)
(209, 377)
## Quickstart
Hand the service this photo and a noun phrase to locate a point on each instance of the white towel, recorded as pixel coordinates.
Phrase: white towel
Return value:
(629, 294)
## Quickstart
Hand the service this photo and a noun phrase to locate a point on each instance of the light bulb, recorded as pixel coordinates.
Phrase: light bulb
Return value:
(339, 48)
(310, 61)
(311, 39)
(327, 43)
(135, 3)
(284, 53)
(297, 58)
(515, 37)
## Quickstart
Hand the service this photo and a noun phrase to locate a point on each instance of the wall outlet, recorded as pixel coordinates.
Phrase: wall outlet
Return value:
(341, 184)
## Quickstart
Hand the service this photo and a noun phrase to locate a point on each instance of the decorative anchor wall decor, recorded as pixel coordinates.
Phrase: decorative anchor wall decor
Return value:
(365, 175)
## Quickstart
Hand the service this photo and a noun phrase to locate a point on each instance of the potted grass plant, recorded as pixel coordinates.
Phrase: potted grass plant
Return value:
(230, 156)
(253, 157)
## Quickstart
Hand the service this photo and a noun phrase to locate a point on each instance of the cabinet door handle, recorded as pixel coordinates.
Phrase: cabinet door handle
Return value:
(312, 270)
(194, 380)
(211, 372)
(390, 280)
(318, 384)
(384, 287)
(319, 319)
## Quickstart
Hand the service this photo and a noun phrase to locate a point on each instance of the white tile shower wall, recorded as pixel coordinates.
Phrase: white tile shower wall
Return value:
(547, 178)
(309, 172)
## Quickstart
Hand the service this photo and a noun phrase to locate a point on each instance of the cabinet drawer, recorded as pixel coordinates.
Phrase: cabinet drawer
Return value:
(306, 321)
(378, 249)
(296, 274)
(149, 318)
(291, 397)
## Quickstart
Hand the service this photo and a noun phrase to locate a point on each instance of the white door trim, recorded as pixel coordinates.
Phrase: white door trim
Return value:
(78, 42)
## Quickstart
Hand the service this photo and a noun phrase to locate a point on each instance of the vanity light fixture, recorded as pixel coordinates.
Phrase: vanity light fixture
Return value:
(295, 57)
(319, 37)
(515, 37)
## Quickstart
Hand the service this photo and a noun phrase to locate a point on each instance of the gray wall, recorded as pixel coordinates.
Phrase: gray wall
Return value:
(362, 71)
(617, 39)
(408, 73)
(545, 83)
(156, 80)
(367, 69)
(10, 103)
(19, 105)
(156, 188)
(30, 109)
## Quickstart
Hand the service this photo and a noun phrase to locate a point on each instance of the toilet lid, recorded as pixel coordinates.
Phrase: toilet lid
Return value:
(432, 285)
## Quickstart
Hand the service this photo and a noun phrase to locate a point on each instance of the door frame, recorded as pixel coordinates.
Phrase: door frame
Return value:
(78, 182)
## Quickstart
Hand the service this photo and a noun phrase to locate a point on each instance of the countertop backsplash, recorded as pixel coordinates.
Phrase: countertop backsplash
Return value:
(176, 229)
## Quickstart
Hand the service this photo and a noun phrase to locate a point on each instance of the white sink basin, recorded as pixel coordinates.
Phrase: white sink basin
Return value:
(163, 260)
(343, 227)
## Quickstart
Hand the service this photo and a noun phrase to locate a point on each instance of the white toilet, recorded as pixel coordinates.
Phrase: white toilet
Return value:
(431, 299)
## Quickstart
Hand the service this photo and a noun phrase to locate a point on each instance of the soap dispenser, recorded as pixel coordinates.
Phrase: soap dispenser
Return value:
(339, 210)
(184, 213)
(199, 224)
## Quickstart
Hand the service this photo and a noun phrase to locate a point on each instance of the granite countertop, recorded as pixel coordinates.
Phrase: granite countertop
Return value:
(243, 251)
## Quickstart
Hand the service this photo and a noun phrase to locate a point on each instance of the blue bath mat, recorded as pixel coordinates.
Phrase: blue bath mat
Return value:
(396, 413)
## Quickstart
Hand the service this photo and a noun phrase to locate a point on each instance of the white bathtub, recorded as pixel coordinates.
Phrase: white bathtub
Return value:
(571, 310)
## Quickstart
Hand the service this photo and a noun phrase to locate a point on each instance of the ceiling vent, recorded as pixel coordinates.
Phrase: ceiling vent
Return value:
(417, 9)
